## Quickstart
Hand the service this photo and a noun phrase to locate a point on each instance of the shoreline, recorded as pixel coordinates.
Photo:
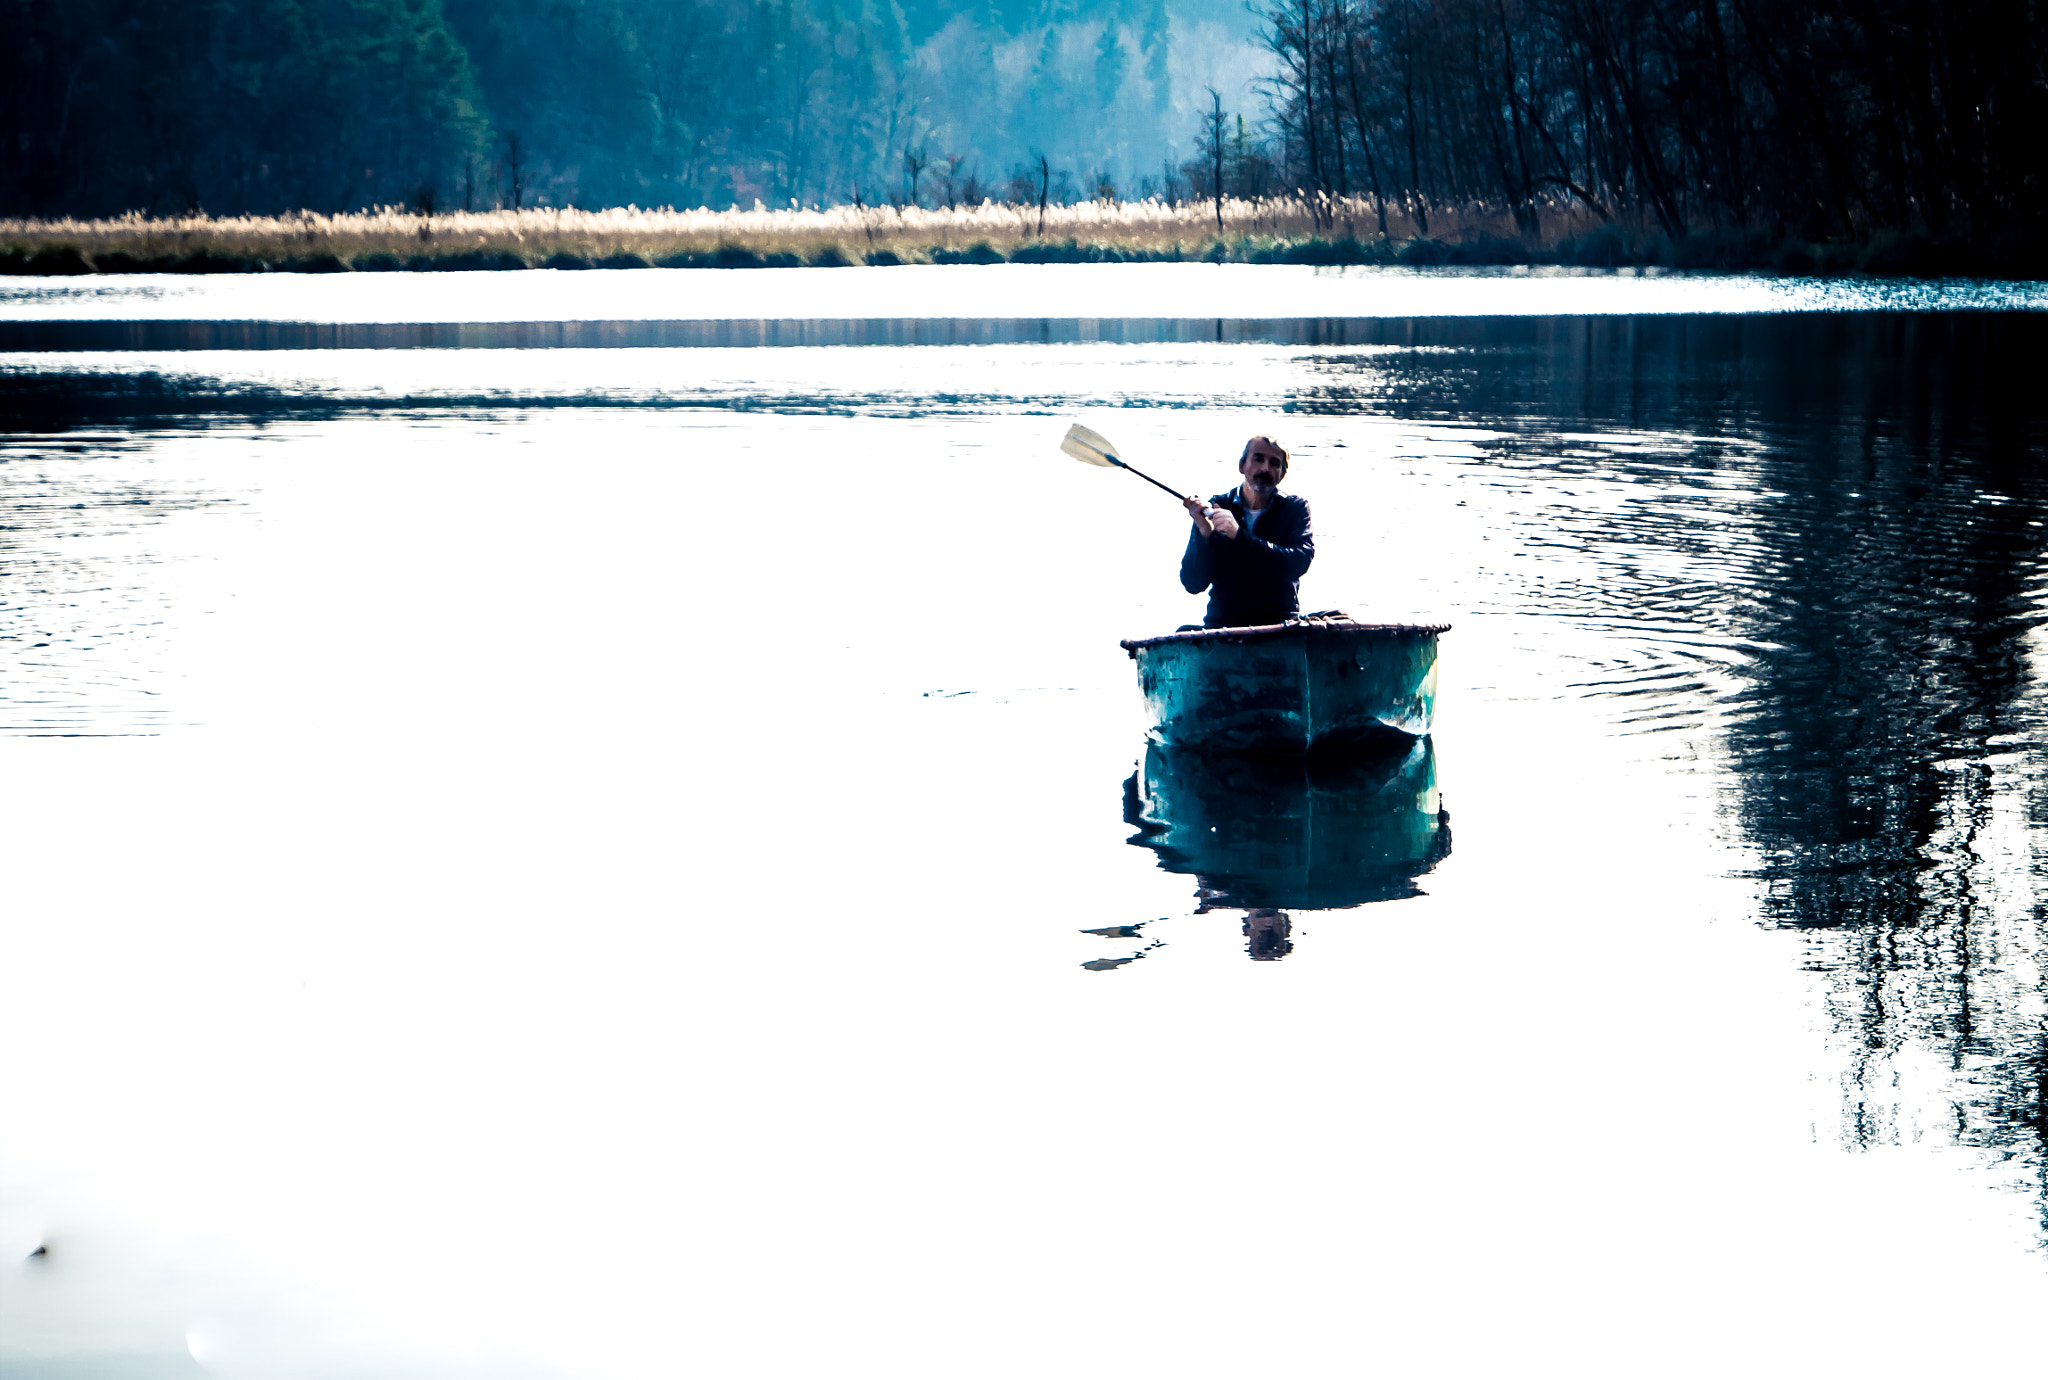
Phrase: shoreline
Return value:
(1321, 232)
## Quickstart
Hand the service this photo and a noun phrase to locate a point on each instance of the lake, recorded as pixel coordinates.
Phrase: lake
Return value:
(596, 825)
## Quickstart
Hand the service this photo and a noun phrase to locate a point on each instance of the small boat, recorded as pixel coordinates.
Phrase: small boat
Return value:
(1321, 684)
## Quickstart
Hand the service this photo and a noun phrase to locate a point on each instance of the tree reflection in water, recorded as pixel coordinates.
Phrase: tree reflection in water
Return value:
(1889, 759)
(1886, 740)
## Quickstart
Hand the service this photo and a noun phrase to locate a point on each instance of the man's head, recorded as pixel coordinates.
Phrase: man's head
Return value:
(1268, 934)
(1263, 464)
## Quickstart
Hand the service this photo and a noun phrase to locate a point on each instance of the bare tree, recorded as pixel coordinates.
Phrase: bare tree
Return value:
(1212, 149)
(914, 164)
(515, 166)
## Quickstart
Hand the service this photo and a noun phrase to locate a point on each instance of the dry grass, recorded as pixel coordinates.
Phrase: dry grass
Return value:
(393, 237)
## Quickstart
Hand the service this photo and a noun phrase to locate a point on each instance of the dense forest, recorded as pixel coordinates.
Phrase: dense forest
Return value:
(236, 106)
(1823, 120)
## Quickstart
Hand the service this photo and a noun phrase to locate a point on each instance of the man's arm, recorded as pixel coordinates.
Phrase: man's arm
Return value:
(1287, 554)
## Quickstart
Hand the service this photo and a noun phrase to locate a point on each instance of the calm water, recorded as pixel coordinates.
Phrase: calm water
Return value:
(640, 857)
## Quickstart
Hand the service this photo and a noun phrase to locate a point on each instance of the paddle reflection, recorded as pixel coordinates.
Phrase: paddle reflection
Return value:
(1271, 835)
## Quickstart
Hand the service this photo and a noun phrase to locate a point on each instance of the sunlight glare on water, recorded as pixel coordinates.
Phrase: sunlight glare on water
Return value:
(1098, 291)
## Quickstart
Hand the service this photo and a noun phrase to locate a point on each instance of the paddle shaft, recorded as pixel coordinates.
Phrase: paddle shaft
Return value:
(1146, 477)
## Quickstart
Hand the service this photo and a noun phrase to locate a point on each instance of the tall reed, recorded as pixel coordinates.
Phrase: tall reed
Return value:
(391, 236)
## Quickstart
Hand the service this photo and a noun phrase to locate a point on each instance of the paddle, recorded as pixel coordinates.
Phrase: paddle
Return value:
(1091, 448)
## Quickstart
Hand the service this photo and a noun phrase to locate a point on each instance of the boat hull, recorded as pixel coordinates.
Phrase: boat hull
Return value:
(1316, 686)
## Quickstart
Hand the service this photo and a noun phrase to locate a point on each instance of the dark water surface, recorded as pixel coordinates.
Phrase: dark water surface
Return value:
(574, 860)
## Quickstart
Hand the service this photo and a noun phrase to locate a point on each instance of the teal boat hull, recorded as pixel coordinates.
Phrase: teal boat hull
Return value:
(1322, 685)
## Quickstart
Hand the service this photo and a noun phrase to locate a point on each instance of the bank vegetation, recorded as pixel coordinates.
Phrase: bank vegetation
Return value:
(1319, 229)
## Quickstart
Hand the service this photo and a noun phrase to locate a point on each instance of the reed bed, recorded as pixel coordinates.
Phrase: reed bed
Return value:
(1293, 229)
(1285, 229)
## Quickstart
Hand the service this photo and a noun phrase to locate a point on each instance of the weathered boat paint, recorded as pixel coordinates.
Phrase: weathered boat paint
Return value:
(1321, 684)
(1268, 831)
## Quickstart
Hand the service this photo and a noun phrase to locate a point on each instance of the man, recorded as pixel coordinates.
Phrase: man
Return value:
(1250, 546)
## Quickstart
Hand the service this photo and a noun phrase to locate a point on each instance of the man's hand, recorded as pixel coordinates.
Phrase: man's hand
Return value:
(1223, 521)
(1198, 509)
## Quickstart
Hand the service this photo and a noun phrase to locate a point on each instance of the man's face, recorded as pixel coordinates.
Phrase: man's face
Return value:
(1262, 467)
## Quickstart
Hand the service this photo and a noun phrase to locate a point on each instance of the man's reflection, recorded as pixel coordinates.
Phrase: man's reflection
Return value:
(1268, 934)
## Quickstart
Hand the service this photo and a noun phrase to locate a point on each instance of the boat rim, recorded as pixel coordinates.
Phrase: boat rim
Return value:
(1315, 622)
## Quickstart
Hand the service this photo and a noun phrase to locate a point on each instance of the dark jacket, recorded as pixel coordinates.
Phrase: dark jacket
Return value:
(1251, 579)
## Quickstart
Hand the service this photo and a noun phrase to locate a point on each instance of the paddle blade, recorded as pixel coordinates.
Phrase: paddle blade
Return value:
(1089, 447)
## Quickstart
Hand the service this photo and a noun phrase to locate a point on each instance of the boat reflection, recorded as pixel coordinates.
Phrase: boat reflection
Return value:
(1275, 834)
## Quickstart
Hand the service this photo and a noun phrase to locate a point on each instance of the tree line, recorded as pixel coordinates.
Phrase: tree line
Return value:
(1826, 119)
(232, 106)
